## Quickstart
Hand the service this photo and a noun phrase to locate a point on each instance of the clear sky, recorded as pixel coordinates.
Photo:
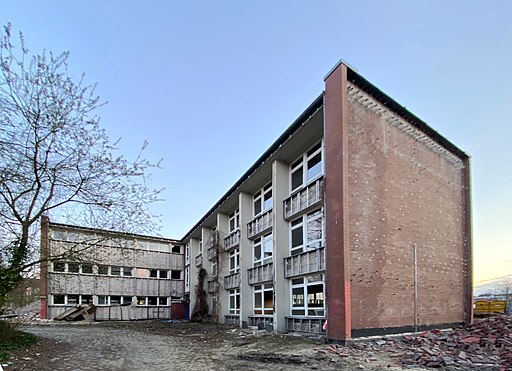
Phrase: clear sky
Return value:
(194, 77)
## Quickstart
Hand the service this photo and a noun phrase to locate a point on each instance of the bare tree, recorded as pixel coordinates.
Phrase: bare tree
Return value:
(56, 160)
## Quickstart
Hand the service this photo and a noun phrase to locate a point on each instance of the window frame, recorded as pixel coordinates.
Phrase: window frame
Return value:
(262, 243)
(302, 163)
(303, 222)
(261, 290)
(307, 309)
(260, 197)
(234, 261)
(234, 221)
(234, 301)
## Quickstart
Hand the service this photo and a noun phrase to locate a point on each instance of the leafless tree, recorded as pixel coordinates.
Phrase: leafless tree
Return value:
(56, 160)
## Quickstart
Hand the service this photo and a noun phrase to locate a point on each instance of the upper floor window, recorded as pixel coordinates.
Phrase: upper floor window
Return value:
(263, 248)
(263, 200)
(201, 246)
(187, 253)
(306, 232)
(234, 220)
(234, 261)
(308, 167)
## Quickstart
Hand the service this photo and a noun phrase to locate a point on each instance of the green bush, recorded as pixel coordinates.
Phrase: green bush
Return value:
(11, 338)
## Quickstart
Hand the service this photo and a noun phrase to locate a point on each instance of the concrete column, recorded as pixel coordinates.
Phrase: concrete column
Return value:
(468, 242)
(206, 235)
(43, 284)
(246, 291)
(222, 267)
(194, 250)
(336, 206)
(280, 189)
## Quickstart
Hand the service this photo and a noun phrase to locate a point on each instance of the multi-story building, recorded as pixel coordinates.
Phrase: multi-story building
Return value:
(126, 276)
(356, 220)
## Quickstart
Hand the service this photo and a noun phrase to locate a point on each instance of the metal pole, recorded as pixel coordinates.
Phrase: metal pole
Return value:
(415, 257)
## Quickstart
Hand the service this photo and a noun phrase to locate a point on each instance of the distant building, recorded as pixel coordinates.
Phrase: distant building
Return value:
(126, 276)
(356, 221)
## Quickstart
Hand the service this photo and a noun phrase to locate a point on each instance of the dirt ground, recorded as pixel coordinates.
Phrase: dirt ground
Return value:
(160, 345)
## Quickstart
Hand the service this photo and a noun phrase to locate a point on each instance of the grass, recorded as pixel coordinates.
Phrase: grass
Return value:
(12, 339)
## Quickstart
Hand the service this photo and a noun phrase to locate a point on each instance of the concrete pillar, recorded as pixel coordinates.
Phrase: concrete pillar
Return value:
(246, 291)
(222, 267)
(43, 284)
(336, 206)
(280, 184)
(194, 251)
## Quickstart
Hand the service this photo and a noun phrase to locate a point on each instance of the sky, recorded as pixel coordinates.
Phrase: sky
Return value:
(195, 77)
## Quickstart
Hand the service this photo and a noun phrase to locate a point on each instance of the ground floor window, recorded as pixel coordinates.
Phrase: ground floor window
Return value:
(234, 301)
(307, 295)
(264, 299)
(114, 300)
(152, 300)
(72, 299)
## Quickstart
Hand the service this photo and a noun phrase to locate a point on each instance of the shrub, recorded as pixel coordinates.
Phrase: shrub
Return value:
(11, 338)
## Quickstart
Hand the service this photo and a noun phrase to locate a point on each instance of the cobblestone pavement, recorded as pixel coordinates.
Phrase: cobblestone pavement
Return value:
(153, 345)
(102, 347)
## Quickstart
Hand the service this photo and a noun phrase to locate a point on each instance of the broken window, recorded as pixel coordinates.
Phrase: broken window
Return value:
(176, 249)
(126, 300)
(264, 299)
(86, 268)
(175, 275)
(73, 268)
(115, 271)
(308, 296)
(59, 299)
(141, 300)
(59, 266)
(234, 301)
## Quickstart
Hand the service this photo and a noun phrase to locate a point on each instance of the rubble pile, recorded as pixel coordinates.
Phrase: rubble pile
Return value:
(487, 343)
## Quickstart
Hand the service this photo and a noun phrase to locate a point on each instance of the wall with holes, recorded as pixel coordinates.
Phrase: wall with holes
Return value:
(404, 191)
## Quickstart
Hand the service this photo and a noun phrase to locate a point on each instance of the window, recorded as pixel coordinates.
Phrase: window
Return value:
(157, 273)
(102, 300)
(126, 300)
(263, 200)
(187, 279)
(127, 271)
(115, 300)
(307, 297)
(115, 271)
(187, 253)
(102, 269)
(234, 220)
(234, 261)
(59, 299)
(86, 268)
(264, 299)
(176, 249)
(309, 238)
(73, 268)
(263, 249)
(152, 300)
(214, 269)
(201, 246)
(85, 299)
(59, 266)
(73, 299)
(308, 167)
(175, 275)
(234, 301)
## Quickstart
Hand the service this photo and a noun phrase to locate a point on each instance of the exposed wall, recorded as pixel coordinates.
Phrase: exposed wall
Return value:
(404, 191)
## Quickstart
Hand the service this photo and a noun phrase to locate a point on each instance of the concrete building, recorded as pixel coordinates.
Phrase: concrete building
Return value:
(356, 221)
(126, 276)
